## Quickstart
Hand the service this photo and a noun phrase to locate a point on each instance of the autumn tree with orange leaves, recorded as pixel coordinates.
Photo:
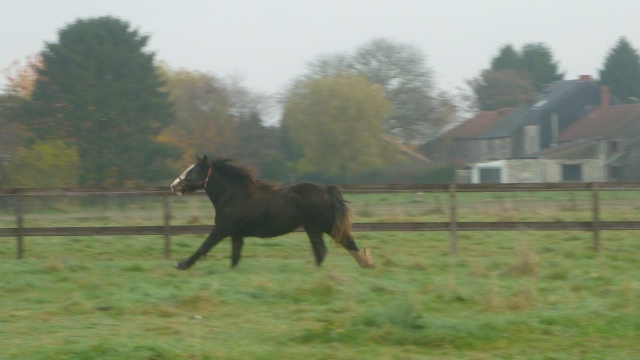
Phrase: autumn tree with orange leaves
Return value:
(21, 77)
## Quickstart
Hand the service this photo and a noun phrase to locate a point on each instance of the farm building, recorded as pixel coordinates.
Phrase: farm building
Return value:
(603, 145)
(617, 129)
(575, 131)
(580, 161)
(517, 133)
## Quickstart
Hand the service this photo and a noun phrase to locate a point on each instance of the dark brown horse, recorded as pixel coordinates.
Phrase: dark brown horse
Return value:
(246, 207)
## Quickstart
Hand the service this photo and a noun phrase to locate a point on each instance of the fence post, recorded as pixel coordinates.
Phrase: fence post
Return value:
(453, 218)
(167, 227)
(595, 208)
(20, 226)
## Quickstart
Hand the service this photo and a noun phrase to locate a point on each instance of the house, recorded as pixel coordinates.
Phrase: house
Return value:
(569, 133)
(522, 132)
(581, 160)
(603, 145)
(459, 145)
(616, 129)
(534, 128)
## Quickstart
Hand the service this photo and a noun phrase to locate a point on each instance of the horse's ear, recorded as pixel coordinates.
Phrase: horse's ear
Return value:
(204, 158)
(198, 157)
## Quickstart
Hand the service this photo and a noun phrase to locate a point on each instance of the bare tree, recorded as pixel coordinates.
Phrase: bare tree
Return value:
(402, 72)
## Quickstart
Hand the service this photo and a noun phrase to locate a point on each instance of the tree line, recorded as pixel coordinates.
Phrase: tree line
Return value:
(95, 108)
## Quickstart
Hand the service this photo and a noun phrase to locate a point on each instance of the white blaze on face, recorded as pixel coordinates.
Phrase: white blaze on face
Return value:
(176, 182)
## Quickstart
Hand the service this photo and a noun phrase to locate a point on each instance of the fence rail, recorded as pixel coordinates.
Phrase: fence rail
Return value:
(453, 225)
(160, 191)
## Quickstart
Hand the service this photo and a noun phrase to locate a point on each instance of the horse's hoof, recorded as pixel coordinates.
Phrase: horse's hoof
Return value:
(182, 265)
(363, 258)
(368, 264)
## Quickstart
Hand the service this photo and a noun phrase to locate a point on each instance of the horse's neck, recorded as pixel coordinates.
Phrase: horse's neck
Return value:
(224, 194)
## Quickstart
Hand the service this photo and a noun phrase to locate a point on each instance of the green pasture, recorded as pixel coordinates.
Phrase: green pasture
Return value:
(505, 295)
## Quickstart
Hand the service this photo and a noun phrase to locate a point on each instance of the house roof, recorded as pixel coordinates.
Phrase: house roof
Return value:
(508, 124)
(553, 94)
(405, 150)
(549, 99)
(604, 122)
(476, 126)
(579, 149)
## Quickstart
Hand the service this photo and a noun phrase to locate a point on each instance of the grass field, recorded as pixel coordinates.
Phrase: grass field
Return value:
(528, 295)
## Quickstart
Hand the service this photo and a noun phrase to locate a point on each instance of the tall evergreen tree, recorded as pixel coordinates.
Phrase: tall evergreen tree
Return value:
(535, 61)
(622, 71)
(538, 64)
(508, 58)
(98, 88)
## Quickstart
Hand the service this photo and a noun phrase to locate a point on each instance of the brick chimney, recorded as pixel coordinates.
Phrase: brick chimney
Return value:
(605, 98)
(585, 78)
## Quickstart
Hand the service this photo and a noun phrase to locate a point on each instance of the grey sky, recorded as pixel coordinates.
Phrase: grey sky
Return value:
(269, 42)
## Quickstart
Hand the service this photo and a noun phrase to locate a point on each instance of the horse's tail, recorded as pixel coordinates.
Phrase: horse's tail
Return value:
(342, 216)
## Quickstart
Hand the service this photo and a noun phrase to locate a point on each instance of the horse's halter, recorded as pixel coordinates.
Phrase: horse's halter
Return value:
(200, 184)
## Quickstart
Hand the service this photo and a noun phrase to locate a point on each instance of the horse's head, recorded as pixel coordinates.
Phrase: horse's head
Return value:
(195, 177)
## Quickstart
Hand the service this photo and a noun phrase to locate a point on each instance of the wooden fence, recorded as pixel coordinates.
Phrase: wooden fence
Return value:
(453, 226)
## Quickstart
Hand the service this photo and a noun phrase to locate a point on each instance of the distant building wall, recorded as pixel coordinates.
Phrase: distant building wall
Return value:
(479, 150)
(540, 171)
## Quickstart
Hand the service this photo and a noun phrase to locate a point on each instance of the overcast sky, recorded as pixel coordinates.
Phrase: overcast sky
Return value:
(269, 42)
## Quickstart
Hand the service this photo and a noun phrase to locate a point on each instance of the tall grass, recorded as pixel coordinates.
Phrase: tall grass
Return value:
(507, 295)
(504, 295)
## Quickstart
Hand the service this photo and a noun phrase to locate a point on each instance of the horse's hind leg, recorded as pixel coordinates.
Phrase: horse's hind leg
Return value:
(236, 249)
(317, 244)
(362, 256)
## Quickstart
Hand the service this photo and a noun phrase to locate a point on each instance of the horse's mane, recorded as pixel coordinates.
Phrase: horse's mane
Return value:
(241, 175)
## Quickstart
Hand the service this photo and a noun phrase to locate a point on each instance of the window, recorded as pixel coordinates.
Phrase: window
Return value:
(531, 139)
(571, 172)
(490, 175)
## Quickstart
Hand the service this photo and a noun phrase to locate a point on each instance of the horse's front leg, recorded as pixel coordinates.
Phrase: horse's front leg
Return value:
(212, 240)
(236, 249)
